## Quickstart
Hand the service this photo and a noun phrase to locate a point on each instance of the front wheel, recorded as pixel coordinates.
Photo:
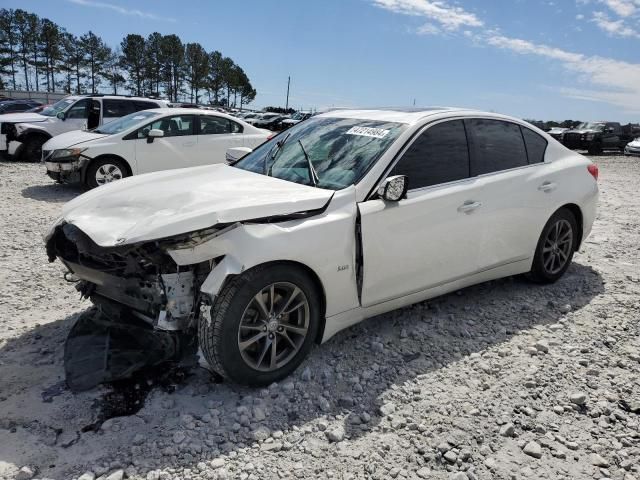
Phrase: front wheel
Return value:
(105, 170)
(262, 325)
(33, 148)
(555, 248)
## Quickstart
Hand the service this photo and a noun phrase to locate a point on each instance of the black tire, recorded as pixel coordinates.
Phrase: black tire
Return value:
(595, 149)
(32, 149)
(220, 338)
(105, 163)
(540, 272)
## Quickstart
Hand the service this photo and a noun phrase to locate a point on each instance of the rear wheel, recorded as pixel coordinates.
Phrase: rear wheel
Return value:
(555, 248)
(105, 170)
(262, 325)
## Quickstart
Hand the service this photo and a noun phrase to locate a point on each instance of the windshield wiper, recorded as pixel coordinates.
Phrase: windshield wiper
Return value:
(277, 147)
(312, 171)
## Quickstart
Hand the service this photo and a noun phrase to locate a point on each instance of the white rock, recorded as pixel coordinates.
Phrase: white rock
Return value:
(335, 434)
(533, 449)
(25, 473)
(388, 408)
(578, 398)
(217, 463)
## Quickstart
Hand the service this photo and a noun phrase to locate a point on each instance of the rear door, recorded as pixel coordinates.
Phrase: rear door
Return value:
(215, 135)
(427, 239)
(519, 189)
(175, 150)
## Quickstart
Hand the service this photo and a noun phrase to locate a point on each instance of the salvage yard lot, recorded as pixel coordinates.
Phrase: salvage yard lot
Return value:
(505, 378)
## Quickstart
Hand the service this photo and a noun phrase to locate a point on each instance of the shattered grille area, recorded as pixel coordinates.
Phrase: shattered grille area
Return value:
(71, 244)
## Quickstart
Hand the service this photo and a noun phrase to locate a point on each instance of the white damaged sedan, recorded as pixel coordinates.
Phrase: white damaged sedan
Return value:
(347, 215)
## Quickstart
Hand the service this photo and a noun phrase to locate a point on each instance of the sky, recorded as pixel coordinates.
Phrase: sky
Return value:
(539, 59)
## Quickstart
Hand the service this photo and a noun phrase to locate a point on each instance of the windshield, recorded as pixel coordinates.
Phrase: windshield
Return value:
(57, 107)
(591, 126)
(125, 122)
(340, 150)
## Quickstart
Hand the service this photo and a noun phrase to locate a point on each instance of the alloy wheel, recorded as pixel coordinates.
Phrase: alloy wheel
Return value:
(108, 173)
(557, 247)
(274, 326)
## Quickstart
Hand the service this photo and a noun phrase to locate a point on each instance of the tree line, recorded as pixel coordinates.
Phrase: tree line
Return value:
(36, 54)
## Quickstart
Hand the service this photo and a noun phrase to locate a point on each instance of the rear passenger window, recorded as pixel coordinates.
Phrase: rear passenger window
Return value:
(141, 105)
(439, 155)
(212, 125)
(536, 145)
(496, 146)
(116, 108)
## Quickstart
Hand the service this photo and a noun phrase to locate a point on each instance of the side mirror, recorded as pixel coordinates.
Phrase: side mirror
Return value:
(236, 153)
(154, 133)
(61, 116)
(394, 188)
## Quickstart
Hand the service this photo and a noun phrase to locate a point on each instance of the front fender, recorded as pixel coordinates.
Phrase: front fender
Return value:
(324, 243)
(24, 130)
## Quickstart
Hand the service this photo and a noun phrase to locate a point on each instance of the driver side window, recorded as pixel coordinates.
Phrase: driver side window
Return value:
(439, 155)
(80, 109)
(176, 126)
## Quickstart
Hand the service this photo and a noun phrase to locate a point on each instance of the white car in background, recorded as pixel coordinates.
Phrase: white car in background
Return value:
(147, 141)
(633, 148)
(23, 134)
(347, 215)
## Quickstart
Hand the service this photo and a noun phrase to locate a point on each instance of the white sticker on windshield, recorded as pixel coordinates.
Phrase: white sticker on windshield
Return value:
(368, 132)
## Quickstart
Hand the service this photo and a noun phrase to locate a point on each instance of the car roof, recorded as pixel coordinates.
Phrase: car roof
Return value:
(187, 111)
(408, 115)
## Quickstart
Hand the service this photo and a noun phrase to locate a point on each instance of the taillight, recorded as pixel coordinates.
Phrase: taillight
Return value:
(270, 136)
(593, 170)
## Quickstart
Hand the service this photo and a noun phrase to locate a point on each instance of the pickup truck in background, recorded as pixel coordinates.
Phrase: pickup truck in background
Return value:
(597, 137)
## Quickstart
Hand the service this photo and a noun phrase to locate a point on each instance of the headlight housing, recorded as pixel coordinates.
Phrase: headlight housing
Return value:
(590, 136)
(70, 153)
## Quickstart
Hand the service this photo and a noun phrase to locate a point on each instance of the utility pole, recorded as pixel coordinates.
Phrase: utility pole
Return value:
(288, 85)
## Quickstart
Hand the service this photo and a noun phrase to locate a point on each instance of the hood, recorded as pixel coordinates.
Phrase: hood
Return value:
(22, 118)
(172, 202)
(634, 143)
(69, 139)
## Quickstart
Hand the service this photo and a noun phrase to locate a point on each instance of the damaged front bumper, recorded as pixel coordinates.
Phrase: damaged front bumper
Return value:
(141, 277)
(66, 171)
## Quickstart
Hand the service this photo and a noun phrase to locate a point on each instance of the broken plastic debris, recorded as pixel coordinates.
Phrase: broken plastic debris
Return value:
(107, 344)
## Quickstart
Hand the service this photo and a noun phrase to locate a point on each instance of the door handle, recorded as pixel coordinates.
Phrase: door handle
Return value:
(469, 206)
(547, 187)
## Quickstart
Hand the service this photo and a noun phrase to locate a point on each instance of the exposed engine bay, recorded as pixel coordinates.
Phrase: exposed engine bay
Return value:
(142, 277)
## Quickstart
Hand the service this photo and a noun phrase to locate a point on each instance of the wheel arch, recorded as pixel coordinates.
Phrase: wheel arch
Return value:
(577, 213)
(27, 135)
(104, 156)
(314, 277)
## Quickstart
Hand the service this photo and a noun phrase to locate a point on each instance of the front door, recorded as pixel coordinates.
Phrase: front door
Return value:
(427, 239)
(174, 150)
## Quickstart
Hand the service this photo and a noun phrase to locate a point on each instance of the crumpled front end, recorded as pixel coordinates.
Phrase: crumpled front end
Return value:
(141, 277)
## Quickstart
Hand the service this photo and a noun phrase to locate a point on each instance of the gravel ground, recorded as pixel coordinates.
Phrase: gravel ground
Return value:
(504, 380)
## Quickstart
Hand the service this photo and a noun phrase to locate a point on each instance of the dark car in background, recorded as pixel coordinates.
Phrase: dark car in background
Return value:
(13, 106)
(597, 137)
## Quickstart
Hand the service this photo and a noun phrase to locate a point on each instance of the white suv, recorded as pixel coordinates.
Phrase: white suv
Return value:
(148, 141)
(22, 134)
